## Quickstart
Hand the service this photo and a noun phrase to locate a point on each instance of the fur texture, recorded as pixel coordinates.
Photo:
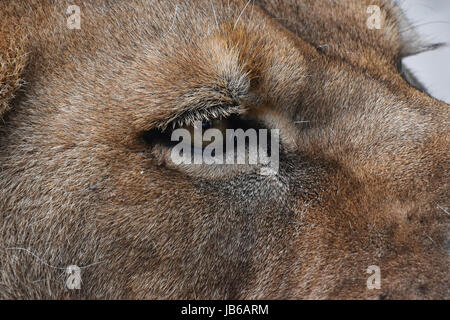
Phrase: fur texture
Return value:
(364, 162)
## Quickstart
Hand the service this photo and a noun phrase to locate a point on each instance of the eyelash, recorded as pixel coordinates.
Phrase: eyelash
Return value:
(187, 118)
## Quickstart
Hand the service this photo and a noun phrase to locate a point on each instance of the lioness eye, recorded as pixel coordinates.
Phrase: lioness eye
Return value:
(163, 137)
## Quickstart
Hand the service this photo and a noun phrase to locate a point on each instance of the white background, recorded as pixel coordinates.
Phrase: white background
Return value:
(431, 68)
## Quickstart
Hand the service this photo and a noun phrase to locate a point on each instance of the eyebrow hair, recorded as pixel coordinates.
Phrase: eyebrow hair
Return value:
(204, 103)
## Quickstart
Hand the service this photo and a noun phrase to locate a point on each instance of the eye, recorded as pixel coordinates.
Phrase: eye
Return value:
(163, 137)
(208, 124)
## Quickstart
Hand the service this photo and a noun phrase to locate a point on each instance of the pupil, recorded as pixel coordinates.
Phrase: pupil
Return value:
(206, 124)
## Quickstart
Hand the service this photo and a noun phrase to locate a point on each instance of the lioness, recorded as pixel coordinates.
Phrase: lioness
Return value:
(357, 209)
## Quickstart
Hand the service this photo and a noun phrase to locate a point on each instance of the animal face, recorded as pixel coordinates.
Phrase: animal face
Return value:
(87, 178)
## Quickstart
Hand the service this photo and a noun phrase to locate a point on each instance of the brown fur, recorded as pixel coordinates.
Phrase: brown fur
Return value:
(364, 182)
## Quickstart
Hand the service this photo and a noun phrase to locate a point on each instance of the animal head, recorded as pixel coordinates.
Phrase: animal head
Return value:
(88, 179)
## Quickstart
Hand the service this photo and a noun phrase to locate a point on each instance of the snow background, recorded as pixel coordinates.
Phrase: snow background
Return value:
(431, 68)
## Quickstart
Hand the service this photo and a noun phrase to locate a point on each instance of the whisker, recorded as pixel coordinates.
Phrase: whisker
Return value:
(240, 15)
(215, 16)
(443, 209)
(302, 121)
(423, 24)
(44, 262)
(174, 17)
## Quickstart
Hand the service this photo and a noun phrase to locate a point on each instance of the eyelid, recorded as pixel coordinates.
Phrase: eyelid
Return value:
(187, 118)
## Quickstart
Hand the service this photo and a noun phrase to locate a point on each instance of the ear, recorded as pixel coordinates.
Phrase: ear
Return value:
(13, 59)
